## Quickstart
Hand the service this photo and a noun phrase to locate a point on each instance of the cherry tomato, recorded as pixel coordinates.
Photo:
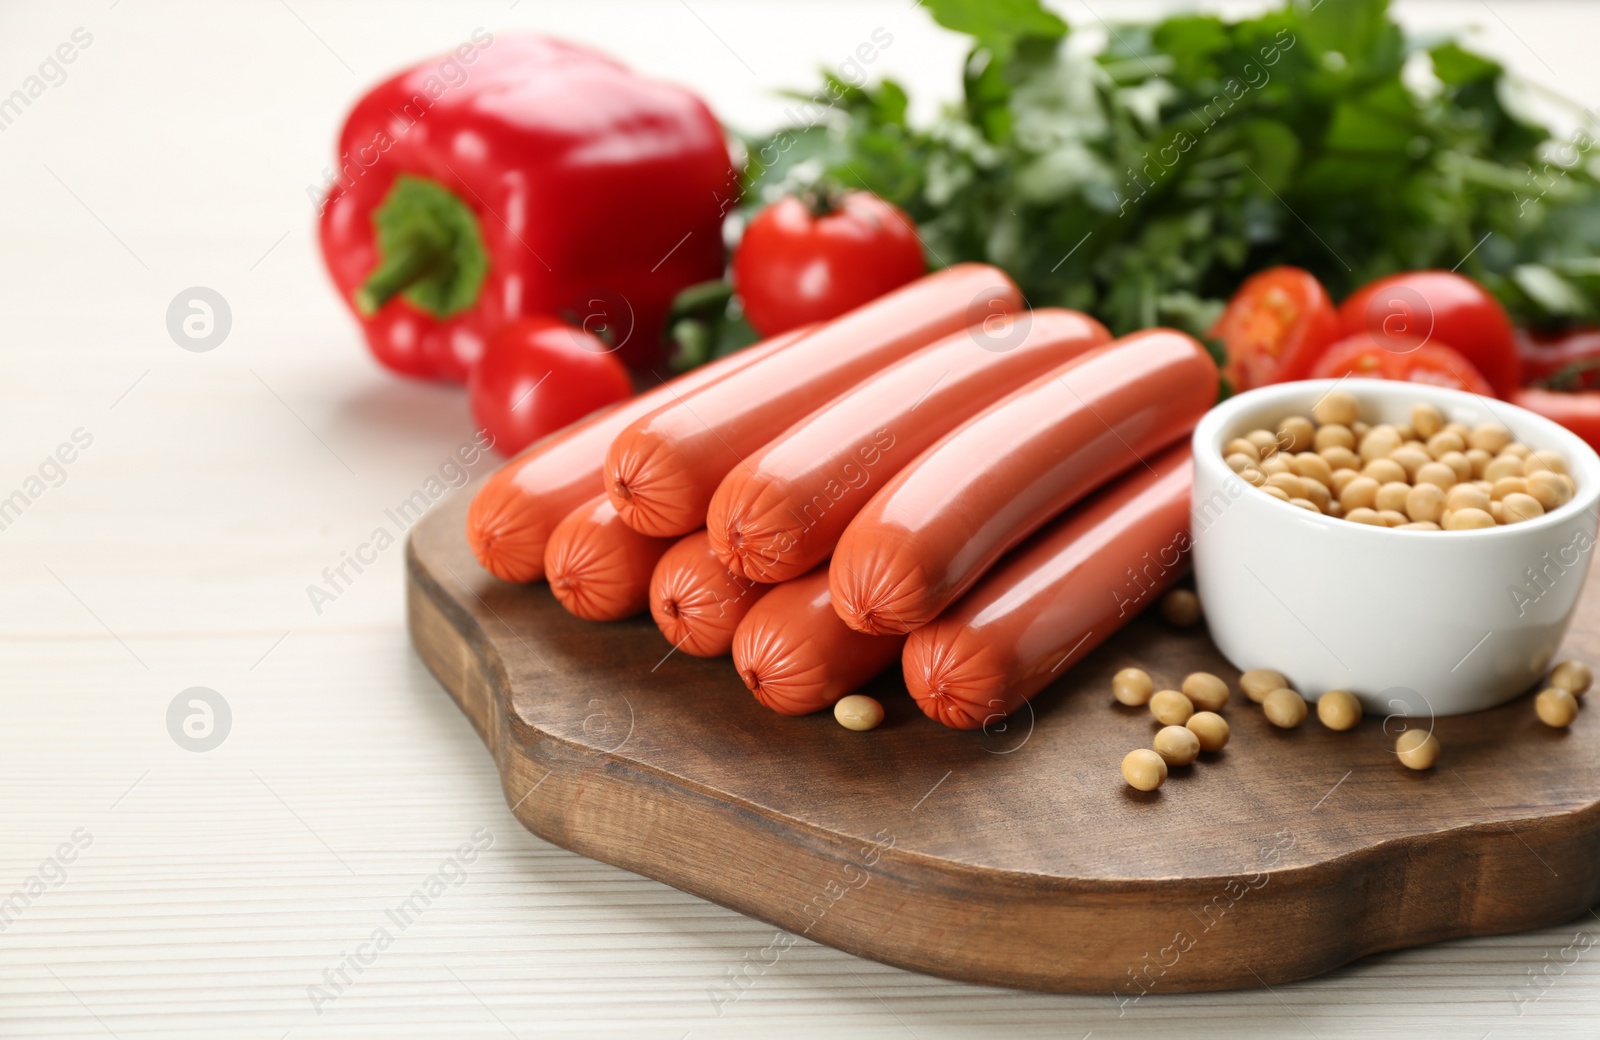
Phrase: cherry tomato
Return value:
(806, 260)
(539, 374)
(1442, 308)
(1578, 412)
(1274, 327)
(1565, 361)
(1373, 357)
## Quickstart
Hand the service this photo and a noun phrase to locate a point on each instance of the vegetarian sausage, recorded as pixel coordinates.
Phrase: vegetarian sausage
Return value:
(696, 601)
(1055, 598)
(662, 470)
(943, 521)
(797, 656)
(781, 513)
(512, 514)
(599, 567)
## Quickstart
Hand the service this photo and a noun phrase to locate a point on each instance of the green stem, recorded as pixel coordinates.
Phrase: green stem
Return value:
(418, 257)
(821, 200)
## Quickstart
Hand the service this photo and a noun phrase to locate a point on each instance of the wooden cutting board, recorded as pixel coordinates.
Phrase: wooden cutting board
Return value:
(1017, 856)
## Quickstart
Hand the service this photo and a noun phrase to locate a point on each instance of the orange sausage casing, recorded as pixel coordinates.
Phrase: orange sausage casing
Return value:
(513, 513)
(696, 601)
(662, 470)
(780, 513)
(797, 656)
(599, 567)
(949, 516)
(1055, 598)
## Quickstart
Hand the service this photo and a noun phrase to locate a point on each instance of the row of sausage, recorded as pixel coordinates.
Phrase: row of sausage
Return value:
(941, 476)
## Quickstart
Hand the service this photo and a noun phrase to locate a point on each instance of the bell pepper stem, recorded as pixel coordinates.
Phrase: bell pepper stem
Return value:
(400, 269)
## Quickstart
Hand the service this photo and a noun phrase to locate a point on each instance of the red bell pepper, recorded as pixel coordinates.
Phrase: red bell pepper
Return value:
(518, 176)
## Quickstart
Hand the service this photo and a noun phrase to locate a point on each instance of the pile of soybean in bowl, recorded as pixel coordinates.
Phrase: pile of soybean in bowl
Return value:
(1425, 475)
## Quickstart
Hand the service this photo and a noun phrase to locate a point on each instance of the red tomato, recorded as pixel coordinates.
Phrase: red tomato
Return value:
(801, 261)
(1372, 357)
(1439, 308)
(1274, 327)
(539, 374)
(1578, 412)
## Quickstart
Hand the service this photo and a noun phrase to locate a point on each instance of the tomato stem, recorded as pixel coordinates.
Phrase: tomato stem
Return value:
(820, 201)
(1570, 377)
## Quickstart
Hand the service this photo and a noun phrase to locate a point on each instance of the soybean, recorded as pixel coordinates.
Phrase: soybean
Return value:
(1426, 420)
(1384, 471)
(1296, 434)
(1132, 686)
(1210, 729)
(1181, 607)
(1333, 435)
(1205, 691)
(1572, 676)
(1425, 502)
(1520, 507)
(1358, 493)
(1177, 745)
(1338, 709)
(1258, 682)
(1416, 749)
(1336, 406)
(1437, 473)
(1144, 769)
(1467, 520)
(1492, 439)
(1423, 475)
(1379, 442)
(1341, 458)
(1171, 708)
(1240, 446)
(1547, 487)
(858, 712)
(1284, 708)
(1556, 707)
(1391, 496)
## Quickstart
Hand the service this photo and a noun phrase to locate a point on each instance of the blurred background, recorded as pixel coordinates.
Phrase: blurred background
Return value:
(223, 878)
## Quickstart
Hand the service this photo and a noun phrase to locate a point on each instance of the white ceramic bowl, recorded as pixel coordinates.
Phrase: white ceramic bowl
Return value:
(1412, 622)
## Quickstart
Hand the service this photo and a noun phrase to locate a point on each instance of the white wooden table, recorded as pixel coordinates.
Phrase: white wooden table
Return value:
(222, 892)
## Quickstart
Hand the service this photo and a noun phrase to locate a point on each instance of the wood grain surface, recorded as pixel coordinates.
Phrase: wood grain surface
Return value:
(1016, 856)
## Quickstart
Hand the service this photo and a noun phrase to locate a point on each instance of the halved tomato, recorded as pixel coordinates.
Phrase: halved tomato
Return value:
(1369, 357)
(1274, 327)
(1439, 308)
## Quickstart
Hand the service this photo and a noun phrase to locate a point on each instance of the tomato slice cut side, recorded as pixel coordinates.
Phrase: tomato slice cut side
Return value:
(1366, 356)
(1274, 328)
